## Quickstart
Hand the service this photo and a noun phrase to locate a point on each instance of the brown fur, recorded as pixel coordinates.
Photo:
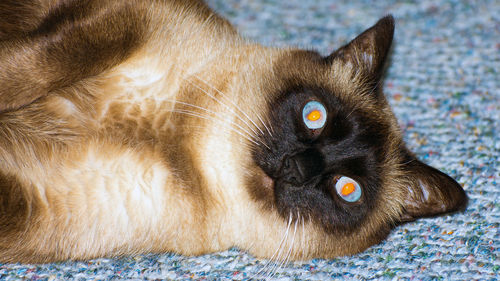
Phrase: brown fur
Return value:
(119, 134)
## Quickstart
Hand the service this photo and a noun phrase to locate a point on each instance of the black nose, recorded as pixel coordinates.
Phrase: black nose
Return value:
(301, 167)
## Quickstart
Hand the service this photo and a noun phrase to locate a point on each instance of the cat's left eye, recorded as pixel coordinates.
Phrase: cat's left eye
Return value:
(314, 115)
(348, 189)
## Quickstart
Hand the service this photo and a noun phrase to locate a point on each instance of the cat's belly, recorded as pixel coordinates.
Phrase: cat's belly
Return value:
(114, 188)
(105, 196)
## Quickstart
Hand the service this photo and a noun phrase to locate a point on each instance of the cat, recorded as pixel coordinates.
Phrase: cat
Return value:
(136, 126)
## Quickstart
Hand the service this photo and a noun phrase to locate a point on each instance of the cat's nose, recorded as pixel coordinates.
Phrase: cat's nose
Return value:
(301, 167)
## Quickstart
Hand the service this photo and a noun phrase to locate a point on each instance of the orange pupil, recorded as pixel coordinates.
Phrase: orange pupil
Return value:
(314, 115)
(348, 188)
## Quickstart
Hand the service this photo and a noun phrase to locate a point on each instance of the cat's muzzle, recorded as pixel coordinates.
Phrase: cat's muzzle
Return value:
(301, 167)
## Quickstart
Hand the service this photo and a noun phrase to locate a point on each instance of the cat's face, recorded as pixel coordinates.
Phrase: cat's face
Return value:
(332, 154)
(310, 161)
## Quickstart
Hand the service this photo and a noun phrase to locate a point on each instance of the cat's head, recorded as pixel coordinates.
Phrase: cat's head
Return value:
(331, 152)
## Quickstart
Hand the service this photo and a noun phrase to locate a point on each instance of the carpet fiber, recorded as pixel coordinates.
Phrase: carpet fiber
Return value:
(443, 84)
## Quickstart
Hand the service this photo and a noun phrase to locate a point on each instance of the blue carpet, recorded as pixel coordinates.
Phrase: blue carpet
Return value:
(444, 87)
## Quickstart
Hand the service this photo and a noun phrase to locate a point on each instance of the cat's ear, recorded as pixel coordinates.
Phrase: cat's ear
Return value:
(429, 192)
(368, 52)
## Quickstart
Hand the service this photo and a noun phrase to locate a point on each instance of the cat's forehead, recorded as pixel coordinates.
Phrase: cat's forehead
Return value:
(309, 70)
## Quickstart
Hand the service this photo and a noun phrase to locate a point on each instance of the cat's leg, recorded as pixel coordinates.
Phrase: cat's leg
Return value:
(30, 138)
(69, 42)
(17, 215)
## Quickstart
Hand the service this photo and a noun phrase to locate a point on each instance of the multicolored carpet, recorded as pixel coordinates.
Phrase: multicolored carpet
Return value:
(444, 85)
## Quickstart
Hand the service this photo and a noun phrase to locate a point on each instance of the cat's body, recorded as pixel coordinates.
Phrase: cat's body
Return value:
(149, 126)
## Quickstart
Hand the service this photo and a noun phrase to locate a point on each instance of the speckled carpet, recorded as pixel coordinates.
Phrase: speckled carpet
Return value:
(443, 84)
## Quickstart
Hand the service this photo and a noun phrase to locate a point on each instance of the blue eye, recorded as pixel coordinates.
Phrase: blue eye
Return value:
(314, 115)
(348, 189)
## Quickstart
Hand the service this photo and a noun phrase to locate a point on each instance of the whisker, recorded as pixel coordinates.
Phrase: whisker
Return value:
(257, 142)
(289, 253)
(264, 124)
(222, 103)
(303, 238)
(347, 116)
(214, 113)
(230, 109)
(287, 260)
(278, 258)
(375, 87)
(408, 162)
(239, 109)
(211, 118)
(231, 101)
(276, 252)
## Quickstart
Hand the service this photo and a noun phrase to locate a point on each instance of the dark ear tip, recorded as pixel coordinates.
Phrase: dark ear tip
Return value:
(387, 22)
(388, 19)
(461, 201)
(457, 197)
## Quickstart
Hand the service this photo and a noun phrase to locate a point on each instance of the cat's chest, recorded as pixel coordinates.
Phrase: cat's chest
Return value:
(137, 100)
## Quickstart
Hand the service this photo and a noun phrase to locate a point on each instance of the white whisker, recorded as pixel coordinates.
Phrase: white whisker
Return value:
(303, 238)
(221, 103)
(264, 124)
(287, 260)
(232, 102)
(232, 111)
(289, 253)
(375, 87)
(275, 252)
(278, 257)
(347, 116)
(216, 115)
(222, 122)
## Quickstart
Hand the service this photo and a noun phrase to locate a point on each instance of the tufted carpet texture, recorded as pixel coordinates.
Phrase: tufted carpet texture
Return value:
(444, 86)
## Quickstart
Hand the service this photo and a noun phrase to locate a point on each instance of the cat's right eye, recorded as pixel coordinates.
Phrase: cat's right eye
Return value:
(314, 115)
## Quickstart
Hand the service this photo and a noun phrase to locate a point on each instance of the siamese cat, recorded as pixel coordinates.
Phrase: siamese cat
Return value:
(141, 126)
